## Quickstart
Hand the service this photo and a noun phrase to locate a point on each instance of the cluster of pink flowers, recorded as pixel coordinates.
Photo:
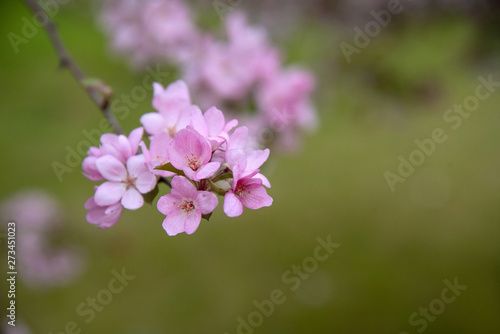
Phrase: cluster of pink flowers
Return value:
(202, 153)
(244, 74)
(38, 220)
(150, 31)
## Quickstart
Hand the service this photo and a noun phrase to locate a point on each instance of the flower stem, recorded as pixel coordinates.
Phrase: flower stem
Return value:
(166, 181)
(99, 93)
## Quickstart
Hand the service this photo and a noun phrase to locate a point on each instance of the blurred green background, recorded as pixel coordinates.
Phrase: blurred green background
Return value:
(397, 247)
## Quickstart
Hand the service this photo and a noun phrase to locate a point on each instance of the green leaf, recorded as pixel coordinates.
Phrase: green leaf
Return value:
(150, 196)
(207, 217)
(215, 188)
(225, 176)
(169, 168)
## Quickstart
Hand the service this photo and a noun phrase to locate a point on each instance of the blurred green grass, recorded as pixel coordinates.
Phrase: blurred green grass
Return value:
(396, 248)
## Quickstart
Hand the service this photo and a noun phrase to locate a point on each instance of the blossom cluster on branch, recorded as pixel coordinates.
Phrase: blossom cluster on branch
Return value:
(243, 74)
(203, 154)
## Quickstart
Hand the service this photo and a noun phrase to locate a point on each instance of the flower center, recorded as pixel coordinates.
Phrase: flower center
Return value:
(193, 162)
(130, 181)
(186, 206)
(239, 189)
(171, 131)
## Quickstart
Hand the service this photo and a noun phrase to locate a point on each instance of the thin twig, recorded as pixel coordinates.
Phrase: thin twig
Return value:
(98, 92)
(166, 181)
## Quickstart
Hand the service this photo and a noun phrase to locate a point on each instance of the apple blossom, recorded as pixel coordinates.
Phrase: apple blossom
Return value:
(184, 206)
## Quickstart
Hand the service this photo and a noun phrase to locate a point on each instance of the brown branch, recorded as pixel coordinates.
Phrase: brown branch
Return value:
(98, 91)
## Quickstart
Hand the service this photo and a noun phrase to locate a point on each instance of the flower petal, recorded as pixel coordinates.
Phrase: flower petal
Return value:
(153, 123)
(111, 168)
(167, 204)
(145, 182)
(134, 139)
(182, 188)
(207, 170)
(239, 139)
(174, 223)
(232, 205)
(255, 159)
(206, 202)
(105, 216)
(214, 120)
(198, 122)
(192, 222)
(109, 193)
(255, 197)
(132, 199)
(264, 179)
(136, 165)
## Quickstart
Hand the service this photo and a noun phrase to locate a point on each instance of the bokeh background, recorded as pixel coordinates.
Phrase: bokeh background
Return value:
(397, 247)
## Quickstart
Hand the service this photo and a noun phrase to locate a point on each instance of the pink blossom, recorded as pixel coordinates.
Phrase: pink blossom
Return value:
(285, 102)
(157, 154)
(38, 219)
(212, 125)
(184, 206)
(228, 71)
(191, 153)
(174, 108)
(118, 146)
(247, 192)
(125, 184)
(242, 161)
(150, 30)
(103, 216)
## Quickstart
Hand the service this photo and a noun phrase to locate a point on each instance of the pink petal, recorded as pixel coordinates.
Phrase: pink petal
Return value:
(174, 223)
(167, 204)
(171, 100)
(255, 197)
(132, 199)
(232, 205)
(207, 170)
(191, 144)
(206, 202)
(124, 147)
(239, 139)
(159, 147)
(231, 124)
(183, 118)
(145, 182)
(198, 122)
(264, 180)
(136, 165)
(153, 123)
(192, 222)
(135, 138)
(109, 138)
(109, 193)
(145, 152)
(255, 159)
(105, 216)
(111, 168)
(90, 169)
(237, 160)
(182, 188)
(191, 174)
(90, 204)
(214, 121)
(176, 158)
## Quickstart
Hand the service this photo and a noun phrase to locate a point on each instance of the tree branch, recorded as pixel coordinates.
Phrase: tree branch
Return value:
(97, 90)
